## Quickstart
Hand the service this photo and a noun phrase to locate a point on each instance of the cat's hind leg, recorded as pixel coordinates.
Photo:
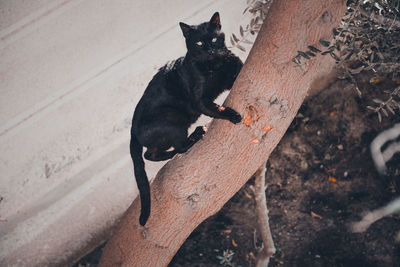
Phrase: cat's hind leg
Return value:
(195, 136)
(180, 144)
(156, 154)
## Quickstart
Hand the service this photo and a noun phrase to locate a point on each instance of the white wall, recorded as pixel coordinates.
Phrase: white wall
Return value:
(71, 73)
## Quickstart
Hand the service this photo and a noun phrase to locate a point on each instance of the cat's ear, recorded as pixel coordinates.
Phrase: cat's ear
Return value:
(185, 29)
(215, 23)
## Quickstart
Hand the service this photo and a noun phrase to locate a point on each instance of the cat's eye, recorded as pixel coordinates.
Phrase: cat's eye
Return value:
(214, 39)
(199, 43)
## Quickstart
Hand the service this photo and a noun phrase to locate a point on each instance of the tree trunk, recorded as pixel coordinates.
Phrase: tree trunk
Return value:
(268, 93)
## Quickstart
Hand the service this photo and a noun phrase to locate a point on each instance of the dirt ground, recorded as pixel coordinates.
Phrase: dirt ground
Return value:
(320, 179)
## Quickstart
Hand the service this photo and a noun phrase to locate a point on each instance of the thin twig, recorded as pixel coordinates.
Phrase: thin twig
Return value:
(380, 19)
(375, 215)
(263, 220)
(379, 156)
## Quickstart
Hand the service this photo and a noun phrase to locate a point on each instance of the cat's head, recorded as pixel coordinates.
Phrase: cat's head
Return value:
(205, 41)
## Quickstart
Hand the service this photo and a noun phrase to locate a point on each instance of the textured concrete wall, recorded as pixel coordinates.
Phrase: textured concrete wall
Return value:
(71, 73)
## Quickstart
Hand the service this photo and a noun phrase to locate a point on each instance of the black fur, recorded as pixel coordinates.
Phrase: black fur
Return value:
(175, 98)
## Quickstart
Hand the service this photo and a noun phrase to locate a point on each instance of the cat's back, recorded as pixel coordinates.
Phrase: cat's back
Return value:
(163, 89)
(169, 73)
(172, 66)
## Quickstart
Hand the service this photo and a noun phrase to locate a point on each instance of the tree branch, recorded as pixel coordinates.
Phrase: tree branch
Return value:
(262, 217)
(268, 93)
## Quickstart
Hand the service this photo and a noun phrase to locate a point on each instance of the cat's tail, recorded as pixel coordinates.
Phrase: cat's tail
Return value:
(136, 150)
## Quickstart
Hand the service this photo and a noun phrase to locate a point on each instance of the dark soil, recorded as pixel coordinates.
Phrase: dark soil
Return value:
(310, 211)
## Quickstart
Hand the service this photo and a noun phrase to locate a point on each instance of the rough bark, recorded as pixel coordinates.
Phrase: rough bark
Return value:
(268, 93)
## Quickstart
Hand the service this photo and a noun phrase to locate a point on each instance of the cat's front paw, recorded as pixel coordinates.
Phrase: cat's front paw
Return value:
(233, 116)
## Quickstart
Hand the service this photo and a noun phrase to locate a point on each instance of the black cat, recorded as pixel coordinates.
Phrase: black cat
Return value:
(175, 98)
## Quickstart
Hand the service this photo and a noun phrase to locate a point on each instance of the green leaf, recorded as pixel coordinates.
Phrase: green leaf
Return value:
(335, 31)
(324, 43)
(385, 112)
(390, 108)
(235, 38)
(296, 60)
(378, 101)
(314, 49)
(331, 48)
(241, 48)
(247, 41)
(232, 41)
(334, 56)
(301, 53)
(310, 53)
